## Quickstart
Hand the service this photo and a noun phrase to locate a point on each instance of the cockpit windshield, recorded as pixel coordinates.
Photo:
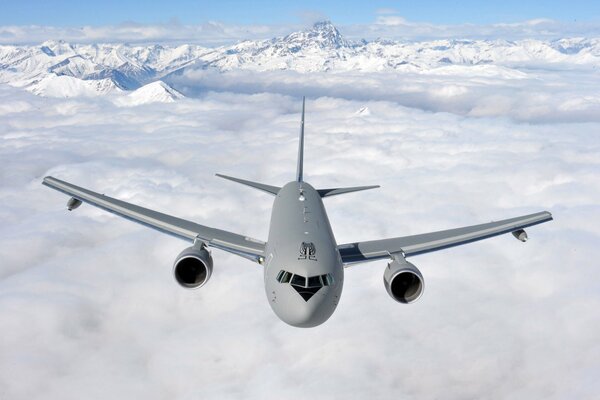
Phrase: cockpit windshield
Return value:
(306, 287)
(284, 276)
(298, 280)
(314, 281)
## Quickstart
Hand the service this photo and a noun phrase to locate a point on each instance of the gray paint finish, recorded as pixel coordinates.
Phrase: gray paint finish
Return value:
(300, 243)
(300, 166)
(294, 222)
(428, 242)
(187, 230)
(260, 186)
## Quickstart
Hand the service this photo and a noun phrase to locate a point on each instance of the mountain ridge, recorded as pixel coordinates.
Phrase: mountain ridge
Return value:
(112, 68)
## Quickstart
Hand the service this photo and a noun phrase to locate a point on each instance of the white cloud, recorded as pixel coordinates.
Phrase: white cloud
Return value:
(536, 95)
(396, 27)
(391, 20)
(88, 303)
(210, 33)
(387, 24)
(386, 11)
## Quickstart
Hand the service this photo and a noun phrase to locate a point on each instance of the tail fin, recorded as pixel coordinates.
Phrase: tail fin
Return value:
(300, 168)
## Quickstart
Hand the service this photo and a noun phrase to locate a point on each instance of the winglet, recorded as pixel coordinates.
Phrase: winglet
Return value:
(260, 186)
(300, 168)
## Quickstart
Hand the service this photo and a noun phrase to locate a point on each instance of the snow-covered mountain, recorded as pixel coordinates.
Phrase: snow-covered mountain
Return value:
(67, 86)
(154, 92)
(56, 68)
(106, 67)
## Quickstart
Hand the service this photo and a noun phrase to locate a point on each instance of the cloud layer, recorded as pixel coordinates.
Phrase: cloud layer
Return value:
(88, 305)
(211, 33)
(214, 33)
(537, 94)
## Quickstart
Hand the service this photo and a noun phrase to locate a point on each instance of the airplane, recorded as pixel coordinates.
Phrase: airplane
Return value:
(302, 263)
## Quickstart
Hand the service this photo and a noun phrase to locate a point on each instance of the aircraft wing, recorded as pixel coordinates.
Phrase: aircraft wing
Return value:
(428, 242)
(238, 244)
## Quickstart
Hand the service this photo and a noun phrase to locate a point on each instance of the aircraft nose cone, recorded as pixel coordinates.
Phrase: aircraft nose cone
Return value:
(300, 311)
(305, 316)
(301, 319)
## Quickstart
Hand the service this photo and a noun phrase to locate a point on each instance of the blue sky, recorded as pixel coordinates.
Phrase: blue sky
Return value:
(75, 13)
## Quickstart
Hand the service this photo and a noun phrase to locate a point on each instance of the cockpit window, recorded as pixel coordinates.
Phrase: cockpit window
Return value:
(298, 280)
(314, 281)
(306, 288)
(283, 276)
(280, 275)
(327, 279)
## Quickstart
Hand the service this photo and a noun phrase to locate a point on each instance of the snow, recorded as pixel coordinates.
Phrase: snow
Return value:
(68, 86)
(320, 48)
(155, 92)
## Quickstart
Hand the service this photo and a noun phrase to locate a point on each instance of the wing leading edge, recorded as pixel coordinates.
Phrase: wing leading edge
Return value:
(232, 242)
(428, 242)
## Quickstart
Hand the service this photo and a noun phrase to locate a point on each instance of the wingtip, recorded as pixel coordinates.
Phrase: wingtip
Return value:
(229, 178)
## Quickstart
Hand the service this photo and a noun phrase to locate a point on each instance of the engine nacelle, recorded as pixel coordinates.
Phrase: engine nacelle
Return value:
(193, 267)
(403, 281)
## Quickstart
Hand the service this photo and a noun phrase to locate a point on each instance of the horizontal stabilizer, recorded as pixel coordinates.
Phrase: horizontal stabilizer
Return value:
(260, 186)
(336, 191)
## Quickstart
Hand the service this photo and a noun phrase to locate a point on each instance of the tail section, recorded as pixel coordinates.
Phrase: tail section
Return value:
(336, 191)
(300, 168)
(299, 172)
(260, 186)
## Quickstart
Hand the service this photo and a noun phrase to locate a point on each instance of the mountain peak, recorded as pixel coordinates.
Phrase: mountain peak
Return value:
(55, 48)
(325, 25)
(322, 34)
(154, 92)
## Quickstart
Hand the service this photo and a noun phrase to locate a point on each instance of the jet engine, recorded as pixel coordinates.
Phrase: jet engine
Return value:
(193, 266)
(403, 281)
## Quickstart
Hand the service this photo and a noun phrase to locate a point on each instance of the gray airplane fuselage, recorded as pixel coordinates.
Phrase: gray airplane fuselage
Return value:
(301, 242)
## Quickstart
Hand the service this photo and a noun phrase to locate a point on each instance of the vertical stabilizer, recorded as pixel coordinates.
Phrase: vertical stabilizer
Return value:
(299, 170)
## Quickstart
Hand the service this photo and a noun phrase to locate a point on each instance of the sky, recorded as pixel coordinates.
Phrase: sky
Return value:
(222, 23)
(110, 12)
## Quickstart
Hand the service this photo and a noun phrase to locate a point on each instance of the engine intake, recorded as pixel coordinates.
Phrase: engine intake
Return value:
(403, 281)
(193, 267)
